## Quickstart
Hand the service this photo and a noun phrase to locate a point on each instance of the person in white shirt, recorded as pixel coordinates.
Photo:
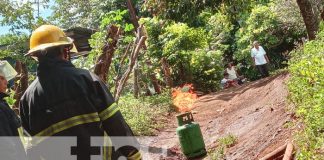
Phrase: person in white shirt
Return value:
(232, 73)
(230, 69)
(260, 59)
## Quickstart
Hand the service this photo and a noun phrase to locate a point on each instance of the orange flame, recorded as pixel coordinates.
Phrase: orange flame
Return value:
(184, 98)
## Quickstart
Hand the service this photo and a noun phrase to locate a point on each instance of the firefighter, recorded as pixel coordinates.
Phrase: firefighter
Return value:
(68, 101)
(11, 147)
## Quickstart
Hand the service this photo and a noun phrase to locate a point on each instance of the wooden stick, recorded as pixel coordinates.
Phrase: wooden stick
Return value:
(289, 151)
(279, 151)
(125, 76)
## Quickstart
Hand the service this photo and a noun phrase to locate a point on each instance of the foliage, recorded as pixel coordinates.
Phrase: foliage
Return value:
(20, 16)
(262, 25)
(98, 40)
(14, 47)
(88, 14)
(223, 143)
(186, 51)
(220, 29)
(141, 114)
(11, 99)
(75, 13)
(228, 140)
(154, 28)
(179, 37)
(207, 70)
(306, 87)
(289, 15)
(274, 32)
(180, 11)
(179, 41)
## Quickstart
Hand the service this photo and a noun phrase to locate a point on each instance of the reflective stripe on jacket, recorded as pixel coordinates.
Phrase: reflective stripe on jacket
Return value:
(67, 101)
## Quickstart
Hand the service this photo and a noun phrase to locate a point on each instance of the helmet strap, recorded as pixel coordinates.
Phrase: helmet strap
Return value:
(67, 53)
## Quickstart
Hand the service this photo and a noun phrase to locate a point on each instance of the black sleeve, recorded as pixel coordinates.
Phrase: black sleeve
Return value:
(5, 129)
(112, 120)
(24, 114)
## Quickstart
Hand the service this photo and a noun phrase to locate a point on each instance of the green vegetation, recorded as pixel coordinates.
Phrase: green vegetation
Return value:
(306, 87)
(143, 115)
(222, 143)
(196, 39)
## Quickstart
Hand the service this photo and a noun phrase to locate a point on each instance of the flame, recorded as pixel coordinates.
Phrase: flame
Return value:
(184, 98)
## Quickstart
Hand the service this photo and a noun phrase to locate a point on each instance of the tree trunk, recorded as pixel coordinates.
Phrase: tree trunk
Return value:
(119, 76)
(105, 59)
(125, 76)
(167, 72)
(132, 14)
(310, 17)
(136, 88)
(21, 83)
(322, 14)
(140, 33)
(153, 78)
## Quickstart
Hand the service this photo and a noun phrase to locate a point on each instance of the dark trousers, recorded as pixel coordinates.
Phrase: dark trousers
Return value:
(263, 69)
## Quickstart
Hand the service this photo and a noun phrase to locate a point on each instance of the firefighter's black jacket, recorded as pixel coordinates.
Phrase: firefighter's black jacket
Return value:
(67, 101)
(11, 147)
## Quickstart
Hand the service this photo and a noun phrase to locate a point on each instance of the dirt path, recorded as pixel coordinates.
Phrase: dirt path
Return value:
(255, 113)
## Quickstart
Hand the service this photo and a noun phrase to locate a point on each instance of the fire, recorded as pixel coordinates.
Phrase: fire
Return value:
(184, 98)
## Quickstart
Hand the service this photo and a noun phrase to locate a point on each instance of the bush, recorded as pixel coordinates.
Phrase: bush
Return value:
(207, 70)
(275, 32)
(306, 88)
(143, 114)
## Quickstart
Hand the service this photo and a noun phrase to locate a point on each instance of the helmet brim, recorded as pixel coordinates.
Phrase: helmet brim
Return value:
(35, 50)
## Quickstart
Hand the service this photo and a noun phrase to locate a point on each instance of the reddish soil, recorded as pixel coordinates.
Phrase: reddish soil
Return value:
(255, 113)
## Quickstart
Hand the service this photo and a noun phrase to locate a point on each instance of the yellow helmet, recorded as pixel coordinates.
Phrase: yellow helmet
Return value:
(47, 36)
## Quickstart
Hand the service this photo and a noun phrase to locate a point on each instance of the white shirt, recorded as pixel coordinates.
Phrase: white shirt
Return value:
(231, 73)
(258, 55)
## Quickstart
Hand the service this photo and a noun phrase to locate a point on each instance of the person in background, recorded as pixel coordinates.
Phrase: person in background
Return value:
(227, 83)
(11, 147)
(232, 73)
(260, 59)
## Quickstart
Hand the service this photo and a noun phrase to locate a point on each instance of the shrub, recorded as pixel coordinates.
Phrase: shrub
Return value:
(143, 114)
(207, 70)
(306, 88)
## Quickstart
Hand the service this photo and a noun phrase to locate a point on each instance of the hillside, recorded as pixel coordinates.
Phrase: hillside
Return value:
(255, 113)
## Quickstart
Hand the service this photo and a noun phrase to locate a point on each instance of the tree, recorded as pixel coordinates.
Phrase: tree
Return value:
(15, 47)
(87, 14)
(104, 60)
(310, 16)
(180, 11)
(21, 18)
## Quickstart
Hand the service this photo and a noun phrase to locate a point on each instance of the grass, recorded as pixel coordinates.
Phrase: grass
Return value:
(144, 115)
(223, 143)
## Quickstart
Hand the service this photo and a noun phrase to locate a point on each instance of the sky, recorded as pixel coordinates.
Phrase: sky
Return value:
(44, 12)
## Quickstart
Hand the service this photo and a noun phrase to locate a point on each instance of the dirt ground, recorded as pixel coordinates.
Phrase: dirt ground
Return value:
(256, 113)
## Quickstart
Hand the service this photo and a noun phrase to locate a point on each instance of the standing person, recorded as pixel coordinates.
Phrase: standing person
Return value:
(68, 101)
(260, 59)
(11, 147)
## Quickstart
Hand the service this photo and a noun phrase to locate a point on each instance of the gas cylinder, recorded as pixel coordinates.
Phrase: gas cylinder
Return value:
(190, 137)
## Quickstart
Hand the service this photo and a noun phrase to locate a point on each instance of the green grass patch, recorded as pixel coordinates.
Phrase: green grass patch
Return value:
(145, 114)
(222, 143)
